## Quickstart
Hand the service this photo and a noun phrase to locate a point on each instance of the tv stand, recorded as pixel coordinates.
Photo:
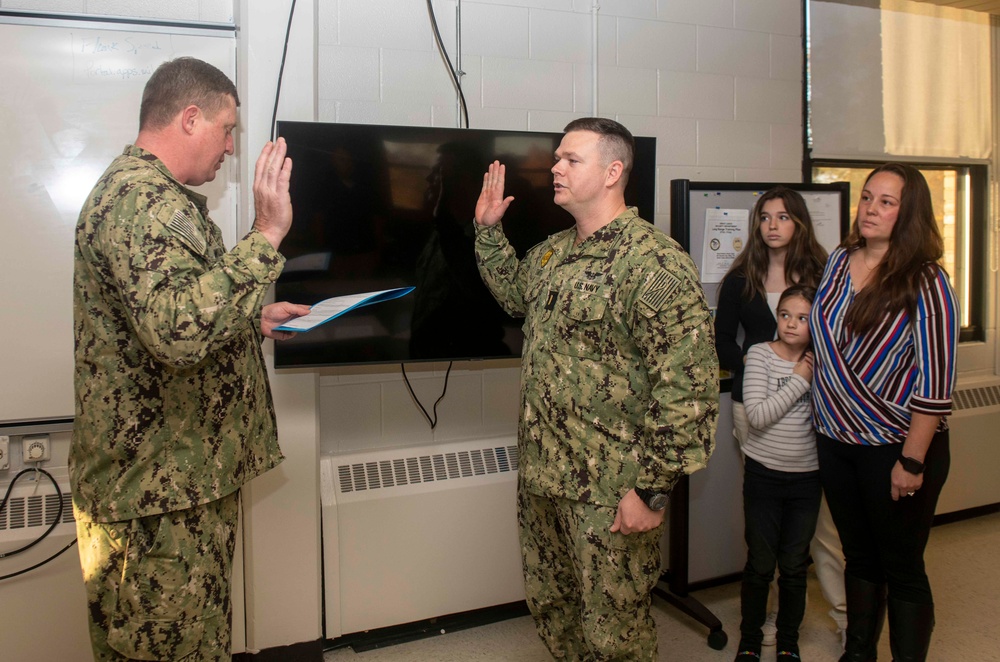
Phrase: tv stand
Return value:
(676, 578)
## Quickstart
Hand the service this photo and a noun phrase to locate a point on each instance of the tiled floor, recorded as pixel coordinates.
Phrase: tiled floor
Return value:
(963, 561)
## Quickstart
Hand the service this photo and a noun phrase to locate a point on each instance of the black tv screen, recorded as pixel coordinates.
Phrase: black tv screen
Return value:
(379, 207)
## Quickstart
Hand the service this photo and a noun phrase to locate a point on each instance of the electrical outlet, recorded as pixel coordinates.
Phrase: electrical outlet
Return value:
(36, 449)
(4, 452)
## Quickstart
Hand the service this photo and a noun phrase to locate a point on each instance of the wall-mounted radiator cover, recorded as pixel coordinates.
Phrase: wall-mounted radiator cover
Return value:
(31, 510)
(416, 533)
(975, 453)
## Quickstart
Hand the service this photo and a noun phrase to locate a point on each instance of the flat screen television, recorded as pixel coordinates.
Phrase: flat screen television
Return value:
(379, 207)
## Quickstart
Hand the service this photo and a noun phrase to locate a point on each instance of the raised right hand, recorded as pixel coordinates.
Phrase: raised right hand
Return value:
(272, 204)
(492, 205)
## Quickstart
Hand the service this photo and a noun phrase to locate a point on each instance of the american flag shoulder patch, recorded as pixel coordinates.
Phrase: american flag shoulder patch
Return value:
(186, 230)
(659, 290)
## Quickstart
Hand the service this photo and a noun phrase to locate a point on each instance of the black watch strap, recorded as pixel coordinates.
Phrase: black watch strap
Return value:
(912, 466)
(653, 500)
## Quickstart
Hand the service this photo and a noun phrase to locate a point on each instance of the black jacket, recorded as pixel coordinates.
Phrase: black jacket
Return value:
(735, 310)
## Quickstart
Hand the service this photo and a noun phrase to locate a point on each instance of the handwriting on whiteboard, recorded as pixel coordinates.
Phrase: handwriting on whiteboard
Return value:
(119, 56)
(128, 45)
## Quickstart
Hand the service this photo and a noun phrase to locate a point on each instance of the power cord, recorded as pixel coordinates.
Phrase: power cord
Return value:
(451, 69)
(281, 71)
(55, 523)
(40, 563)
(406, 380)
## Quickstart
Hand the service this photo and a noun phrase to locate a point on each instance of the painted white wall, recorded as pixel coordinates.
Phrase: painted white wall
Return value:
(717, 82)
(281, 516)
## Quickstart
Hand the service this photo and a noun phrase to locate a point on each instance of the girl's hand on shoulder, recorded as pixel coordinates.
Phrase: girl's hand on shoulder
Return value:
(804, 367)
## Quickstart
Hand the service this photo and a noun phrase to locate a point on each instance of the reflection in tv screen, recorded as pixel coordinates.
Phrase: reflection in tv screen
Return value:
(379, 207)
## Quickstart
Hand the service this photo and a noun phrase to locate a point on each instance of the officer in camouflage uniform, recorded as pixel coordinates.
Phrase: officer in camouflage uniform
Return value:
(173, 409)
(619, 395)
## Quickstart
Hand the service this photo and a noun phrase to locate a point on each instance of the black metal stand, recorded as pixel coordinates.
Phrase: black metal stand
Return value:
(676, 578)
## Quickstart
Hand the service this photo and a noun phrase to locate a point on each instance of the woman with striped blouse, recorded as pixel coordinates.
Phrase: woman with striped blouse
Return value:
(885, 329)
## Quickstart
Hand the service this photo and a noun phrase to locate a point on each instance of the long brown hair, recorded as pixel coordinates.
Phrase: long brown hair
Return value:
(915, 247)
(805, 258)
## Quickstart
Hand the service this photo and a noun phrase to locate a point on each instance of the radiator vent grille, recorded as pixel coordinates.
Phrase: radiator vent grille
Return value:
(426, 468)
(37, 510)
(972, 398)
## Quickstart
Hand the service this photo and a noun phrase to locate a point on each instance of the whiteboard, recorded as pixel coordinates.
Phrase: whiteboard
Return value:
(69, 103)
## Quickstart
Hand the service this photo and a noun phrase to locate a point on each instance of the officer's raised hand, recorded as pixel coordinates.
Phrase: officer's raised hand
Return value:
(492, 205)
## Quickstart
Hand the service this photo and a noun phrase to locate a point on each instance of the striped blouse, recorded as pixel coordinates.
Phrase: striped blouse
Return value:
(866, 387)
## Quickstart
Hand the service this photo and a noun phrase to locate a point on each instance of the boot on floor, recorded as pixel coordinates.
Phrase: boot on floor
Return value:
(910, 627)
(865, 616)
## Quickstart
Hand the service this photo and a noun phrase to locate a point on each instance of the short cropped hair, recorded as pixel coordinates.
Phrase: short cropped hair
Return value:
(177, 84)
(616, 143)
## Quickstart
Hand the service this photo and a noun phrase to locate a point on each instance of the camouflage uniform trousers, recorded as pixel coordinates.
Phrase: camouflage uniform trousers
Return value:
(588, 589)
(158, 587)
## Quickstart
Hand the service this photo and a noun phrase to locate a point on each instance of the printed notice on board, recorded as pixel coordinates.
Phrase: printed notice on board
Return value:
(824, 209)
(726, 232)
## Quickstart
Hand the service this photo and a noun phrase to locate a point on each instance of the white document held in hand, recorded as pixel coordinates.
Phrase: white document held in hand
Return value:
(329, 309)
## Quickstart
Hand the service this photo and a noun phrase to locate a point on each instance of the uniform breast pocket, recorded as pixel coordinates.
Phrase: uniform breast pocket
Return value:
(535, 290)
(580, 328)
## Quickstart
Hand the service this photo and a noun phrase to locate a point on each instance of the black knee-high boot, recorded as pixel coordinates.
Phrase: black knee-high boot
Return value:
(865, 616)
(910, 627)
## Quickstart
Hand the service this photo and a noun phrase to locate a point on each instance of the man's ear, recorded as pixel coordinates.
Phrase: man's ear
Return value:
(189, 118)
(615, 171)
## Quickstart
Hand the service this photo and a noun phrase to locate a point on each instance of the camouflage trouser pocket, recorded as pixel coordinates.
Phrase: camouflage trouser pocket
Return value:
(175, 585)
(157, 640)
(633, 567)
(588, 588)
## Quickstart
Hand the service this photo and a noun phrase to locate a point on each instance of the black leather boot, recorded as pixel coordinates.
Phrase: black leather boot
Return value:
(910, 627)
(865, 616)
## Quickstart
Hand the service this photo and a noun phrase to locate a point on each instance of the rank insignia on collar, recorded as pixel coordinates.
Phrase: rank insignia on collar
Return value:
(545, 258)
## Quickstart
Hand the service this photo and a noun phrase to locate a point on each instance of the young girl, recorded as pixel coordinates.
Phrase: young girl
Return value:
(781, 487)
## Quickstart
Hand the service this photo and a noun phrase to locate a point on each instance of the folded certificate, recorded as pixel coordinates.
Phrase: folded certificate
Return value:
(328, 309)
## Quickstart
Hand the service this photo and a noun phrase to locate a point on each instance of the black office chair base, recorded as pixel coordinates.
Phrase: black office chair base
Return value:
(717, 638)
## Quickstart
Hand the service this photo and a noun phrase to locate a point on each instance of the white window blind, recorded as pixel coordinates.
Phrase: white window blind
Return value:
(899, 78)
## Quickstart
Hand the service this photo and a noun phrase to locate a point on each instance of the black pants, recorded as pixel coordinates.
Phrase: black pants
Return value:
(883, 540)
(780, 509)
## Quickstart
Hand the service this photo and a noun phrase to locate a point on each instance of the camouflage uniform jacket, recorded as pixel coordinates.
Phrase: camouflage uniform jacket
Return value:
(173, 407)
(619, 376)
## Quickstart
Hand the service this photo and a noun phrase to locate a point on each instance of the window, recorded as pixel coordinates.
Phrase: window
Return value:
(959, 194)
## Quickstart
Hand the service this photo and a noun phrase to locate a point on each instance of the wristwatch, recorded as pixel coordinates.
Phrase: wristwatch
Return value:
(912, 466)
(653, 500)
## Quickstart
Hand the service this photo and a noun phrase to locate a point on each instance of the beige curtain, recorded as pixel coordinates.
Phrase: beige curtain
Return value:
(936, 81)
